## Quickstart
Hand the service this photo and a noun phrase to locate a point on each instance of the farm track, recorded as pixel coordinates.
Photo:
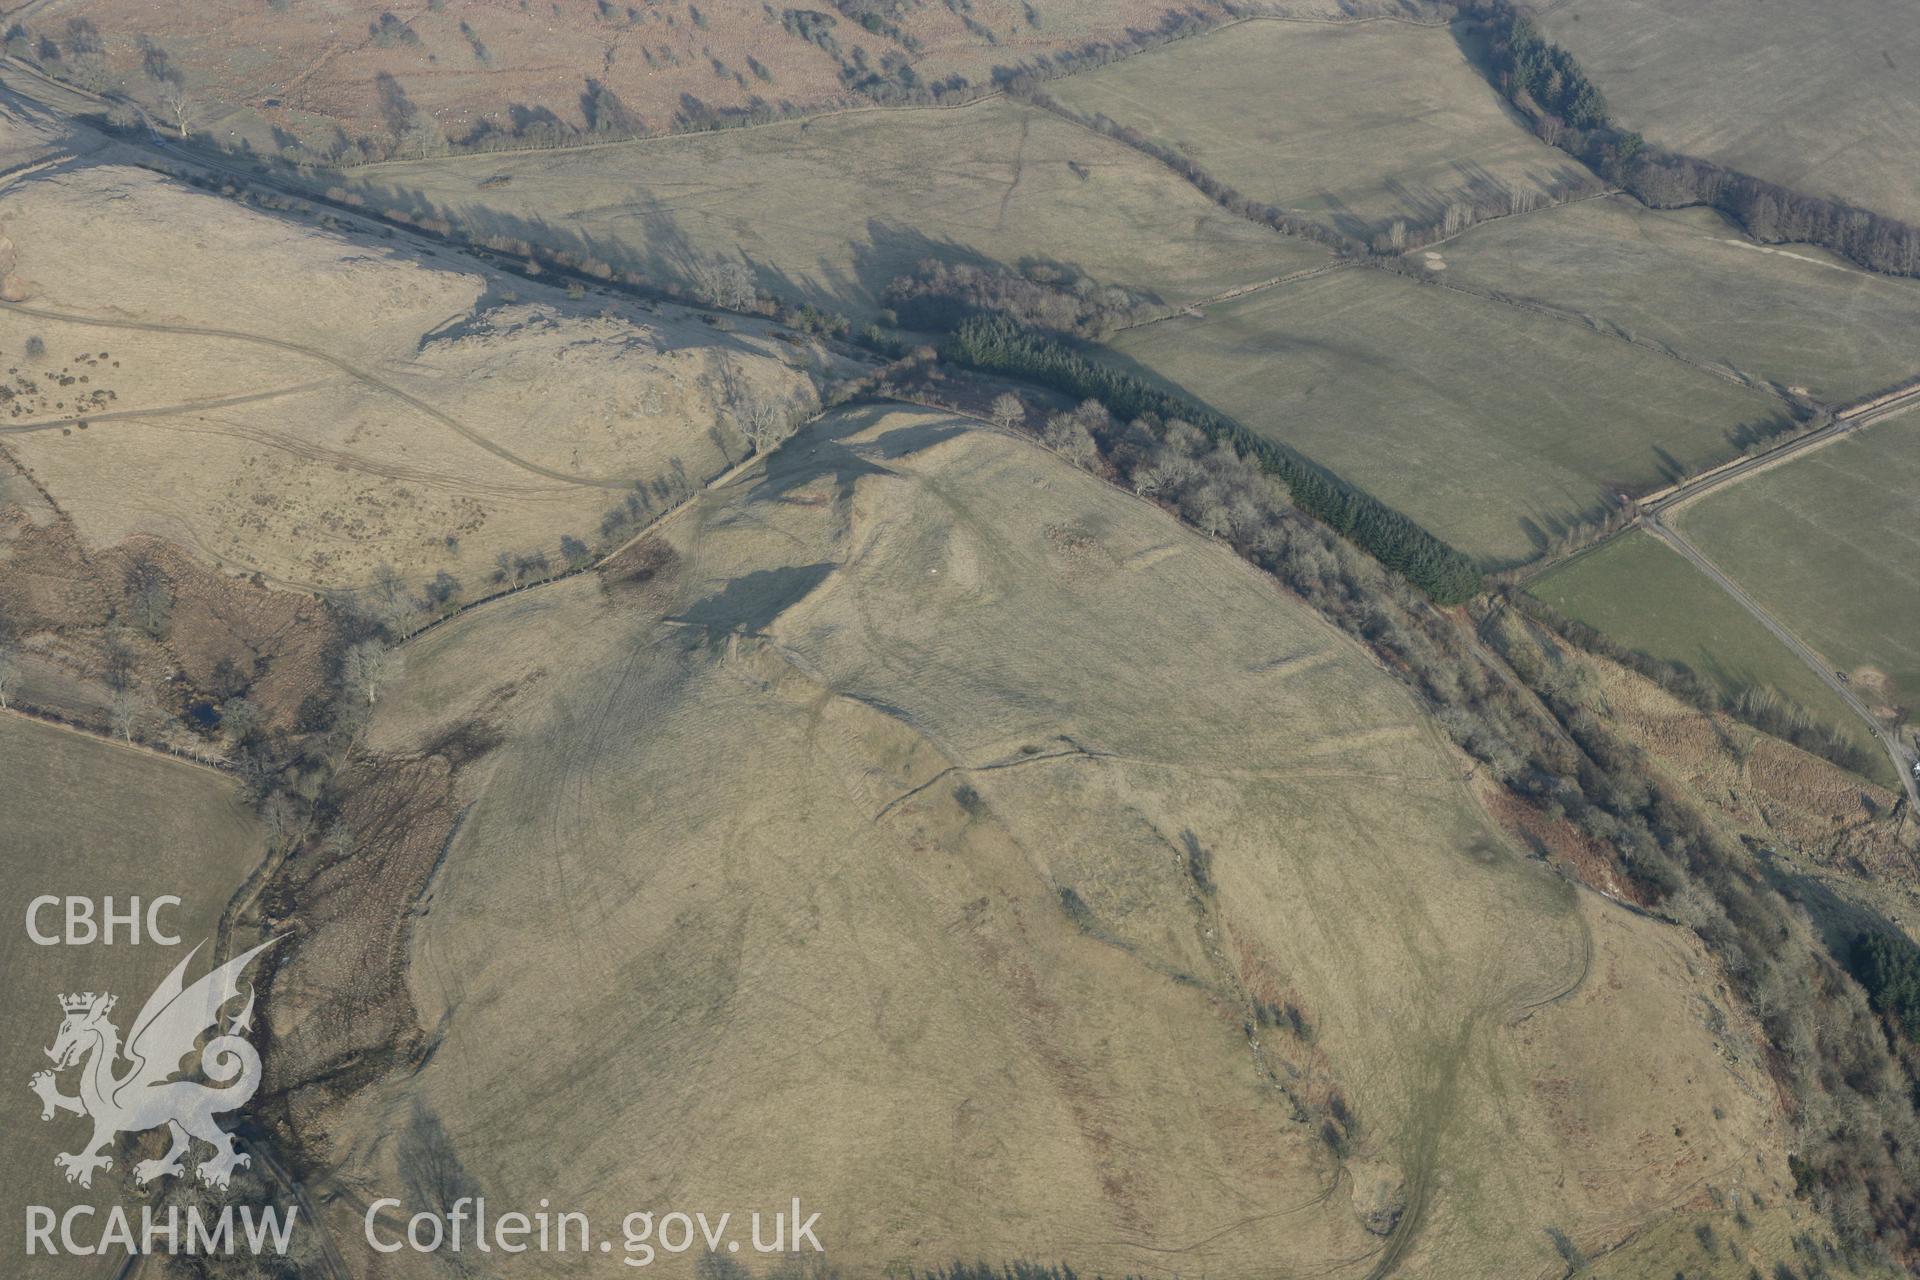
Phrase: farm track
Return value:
(161, 411)
(353, 371)
(1198, 307)
(1903, 762)
(646, 531)
(33, 167)
(1655, 508)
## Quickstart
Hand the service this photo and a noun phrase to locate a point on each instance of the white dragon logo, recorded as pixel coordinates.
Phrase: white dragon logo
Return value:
(147, 1095)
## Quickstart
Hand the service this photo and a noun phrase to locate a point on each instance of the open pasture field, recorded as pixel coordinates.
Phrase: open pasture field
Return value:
(1818, 97)
(327, 73)
(1829, 543)
(1355, 124)
(394, 408)
(934, 918)
(1494, 427)
(1646, 597)
(1692, 282)
(833, 210)
(91, 818)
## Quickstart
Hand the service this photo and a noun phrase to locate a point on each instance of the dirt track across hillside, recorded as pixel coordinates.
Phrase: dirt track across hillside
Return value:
(353, 371)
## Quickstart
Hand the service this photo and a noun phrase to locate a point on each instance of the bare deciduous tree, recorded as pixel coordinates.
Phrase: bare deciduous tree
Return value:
(724, 282)
(338, 842)
(1007, 410)
(120, 658)
(764, 423)
(1209, 513)
(764, 419)
(1068, 436)
(178, 105)
(368, 666)
(9, 673)
(284, 819)
(392, 606)
(127, 713)
(238, 719)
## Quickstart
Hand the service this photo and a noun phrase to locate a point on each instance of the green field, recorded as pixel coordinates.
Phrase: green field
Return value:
(831, 211)
(1355, 124)
(1692, 282)
(1643, 595)
(1819, 97)
(1830, 544)
(86, 817)
(1493, 426)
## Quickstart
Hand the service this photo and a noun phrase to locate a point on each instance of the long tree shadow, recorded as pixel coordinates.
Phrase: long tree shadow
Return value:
(753, 600)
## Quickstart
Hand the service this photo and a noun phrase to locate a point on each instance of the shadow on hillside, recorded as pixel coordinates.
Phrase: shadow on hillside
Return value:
(1837, 919)
(753, 600)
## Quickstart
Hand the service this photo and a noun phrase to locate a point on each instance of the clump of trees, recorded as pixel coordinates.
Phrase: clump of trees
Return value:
(366, 668)
(1000, 345)
(878, 17)
(607, 115)
(1888, 966)
(1228, 197)
(1546, 83)
(724, 282)
(1542, 71)
(1851, 1099)
(1772, 213)
(939, 295)
(391, 32)
(1022, 78)
(815, 27)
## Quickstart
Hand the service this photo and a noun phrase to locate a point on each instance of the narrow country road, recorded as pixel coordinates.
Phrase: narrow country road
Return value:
(1903, 759)
(1847, 420)
(1653, 517)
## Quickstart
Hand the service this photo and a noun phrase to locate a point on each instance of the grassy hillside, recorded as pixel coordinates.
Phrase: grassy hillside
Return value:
(931, 831)
(831, 211)
(354, 76)
(1494, 427)
(90, 818)
(1693, 283)
(392, 408)
(1356, 125)
(1818, 97)
(1827, 543)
